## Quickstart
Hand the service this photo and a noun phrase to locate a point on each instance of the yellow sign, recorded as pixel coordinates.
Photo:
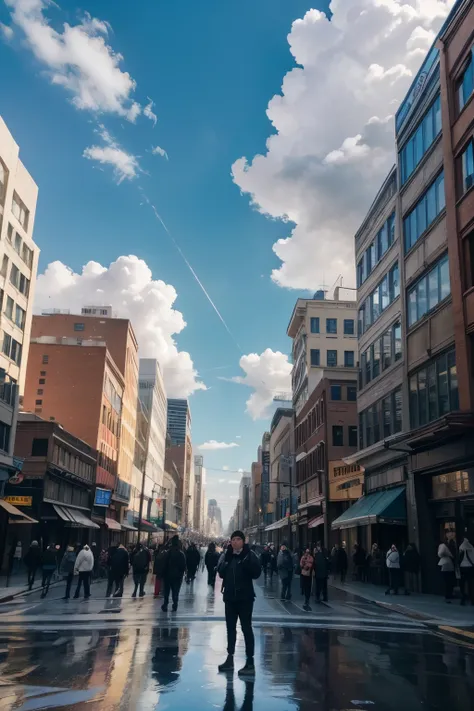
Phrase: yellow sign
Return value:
(345, 481)
(19, 500)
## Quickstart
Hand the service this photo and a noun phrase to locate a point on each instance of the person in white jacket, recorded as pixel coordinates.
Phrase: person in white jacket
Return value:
(466, 566)
(446, 563)
(393, 565)
(83, 567)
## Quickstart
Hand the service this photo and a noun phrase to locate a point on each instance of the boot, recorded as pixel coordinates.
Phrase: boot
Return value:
(164, 608)
(248, 669)
(228, 665)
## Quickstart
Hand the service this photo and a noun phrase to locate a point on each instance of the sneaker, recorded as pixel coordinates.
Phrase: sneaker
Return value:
(164, 608)
(248, 669)
(228, 665)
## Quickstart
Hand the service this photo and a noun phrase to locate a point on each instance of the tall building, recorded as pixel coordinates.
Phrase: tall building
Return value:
(179, 453)
(282, 471)
(18, 267)
(199, 495)
(214, 516)
(179, 420)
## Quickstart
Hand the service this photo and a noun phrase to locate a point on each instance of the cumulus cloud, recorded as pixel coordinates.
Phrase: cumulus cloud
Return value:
(333, 138)
(212, 444)
(149, 113)
(268, 374)
(157, 151)
(6, 32)
(125, 165)
(127, 285)
(78, 59)
(225, 468)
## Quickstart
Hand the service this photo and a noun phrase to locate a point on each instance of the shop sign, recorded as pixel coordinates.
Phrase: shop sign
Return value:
(102, 497)
(19, 500)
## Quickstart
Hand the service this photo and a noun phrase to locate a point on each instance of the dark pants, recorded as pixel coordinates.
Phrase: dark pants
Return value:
(47, 575)
(449, 581)
(139, 580)
(321, 589)
(69, 579)
(172, 586)
(84, 578)
(393, 579)
(191, 574)
(467, 584)
(241, 610)
(211, 577)
(286, 587)
(268, 571)
(306, 587)
(157, 586)
(31, 577)
(411, 582)
(343, 575)
(114, 581)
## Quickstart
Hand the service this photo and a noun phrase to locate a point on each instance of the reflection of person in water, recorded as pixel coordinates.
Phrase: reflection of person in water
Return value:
(166, 663)
(247, 705)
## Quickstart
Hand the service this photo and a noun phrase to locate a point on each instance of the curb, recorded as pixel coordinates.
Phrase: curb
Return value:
(9, 598)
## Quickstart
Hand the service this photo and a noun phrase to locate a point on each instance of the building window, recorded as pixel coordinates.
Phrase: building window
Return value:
(9, 308)
(42, 381)
(425, 212)
(467, 159)
(349, 361)
(429, 291)
(8, 388)
(465, 85)
(42, 372)
(420, 141)
(385, 351)
(39, 447)
(331, 357)
(20, 316)
(352, 435)
(27, 256)
(17, 243)
(4, 269)
(39, 391)
(386, 291)
(4, 436)
(381, 420)
(20, 211)
(374, 253)
(349, 327)
(78, 326)
(331, 325)
(3, 181)
(38, 402)
(45, 360)
(19, 280)
(315, 356)
(336, 392)
(7, 344)
(337, 436)
(351, 393)
(314, 324)
(434, 390)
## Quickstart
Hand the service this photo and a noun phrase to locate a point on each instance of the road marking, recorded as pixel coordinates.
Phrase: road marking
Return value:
(457, 630)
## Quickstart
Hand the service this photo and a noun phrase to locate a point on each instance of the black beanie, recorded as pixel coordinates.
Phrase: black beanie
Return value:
(238, 534)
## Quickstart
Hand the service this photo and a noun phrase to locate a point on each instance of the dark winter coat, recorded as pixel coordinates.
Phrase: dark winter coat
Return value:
(341, 560)
(32, 558)
(48, 560)
(175, 564)
(411, 561)
(211, 560)
(238, 573)
(141, 561)
(321, 565)
(285, 564)
(67, 563)
(265, 559)
(159, 563)
(119, 563)
(193, 558)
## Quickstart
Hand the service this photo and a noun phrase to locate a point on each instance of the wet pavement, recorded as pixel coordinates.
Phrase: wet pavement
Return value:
(126, 654)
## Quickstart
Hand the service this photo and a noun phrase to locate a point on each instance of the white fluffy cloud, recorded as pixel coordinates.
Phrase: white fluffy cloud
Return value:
(125, 165)
(128, 286)
(333, 142)
(212, 444)
(268, 374)
(79, 59)
(6, 31)
(157, 151)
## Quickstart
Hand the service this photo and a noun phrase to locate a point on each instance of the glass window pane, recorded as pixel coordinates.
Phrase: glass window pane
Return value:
(397, 335)
(453, 382)
(383, 243)
(384, 292)
(418, 144)
(315, 325)
(422, 398)
(397, 397)
(387, 349)
(413, 228)
(437, 115)
(375, 304)
(432, 210)
(422, 299)
(428, 129)
(443, 394)
(414, 401)
(409, 158)
(412, 317)
(387, 416)
(395, 282)
(331, 358)
(432, 392)
(368, 365)
(441, 195)
(445, 285)
(376, 359)
(391, 229)
(376, 414)
(421, 217)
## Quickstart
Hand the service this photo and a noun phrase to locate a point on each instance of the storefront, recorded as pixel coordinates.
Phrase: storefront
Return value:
(15, 528)
(278, 532)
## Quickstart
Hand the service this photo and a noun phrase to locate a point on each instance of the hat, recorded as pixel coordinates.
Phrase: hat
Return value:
(34, 543)
(238, 534)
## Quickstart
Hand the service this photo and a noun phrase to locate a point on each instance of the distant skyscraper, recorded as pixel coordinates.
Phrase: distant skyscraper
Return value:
(178, 413)
(215, 518)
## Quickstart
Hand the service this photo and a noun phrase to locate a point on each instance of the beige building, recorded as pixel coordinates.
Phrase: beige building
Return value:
(324, 333)
(18, 267)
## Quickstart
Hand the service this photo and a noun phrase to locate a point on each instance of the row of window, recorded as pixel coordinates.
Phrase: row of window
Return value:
(381, 420)
(20, 247)
(20, 211)
(434, 390)
(8, 388)
(338, 436)
(467, 160)
(19, 280)
(379, 356)
(13, 312)
(11, 348)
(112, 394)
(331, 325)
(310, 424)
(337, 392)
(425, 212)
(429, 291)
(3, 181)
(465, 85)
(386, 291)
(64, 458)
(331, 358)
(314, 463)
(374, 253)
(422, 138)
(5, 431)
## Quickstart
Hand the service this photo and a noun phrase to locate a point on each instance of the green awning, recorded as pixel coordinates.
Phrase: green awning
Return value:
(380, 507)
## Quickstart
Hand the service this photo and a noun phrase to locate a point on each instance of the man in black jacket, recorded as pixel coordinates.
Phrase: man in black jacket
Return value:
(119, 564)
(173, 571)
(239, 567)
(141, 559)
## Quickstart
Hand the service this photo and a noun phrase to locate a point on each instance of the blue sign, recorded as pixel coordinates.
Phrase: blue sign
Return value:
(102, 497)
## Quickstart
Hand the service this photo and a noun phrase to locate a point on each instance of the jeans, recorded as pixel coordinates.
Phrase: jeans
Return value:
(286, 587)
(47, 575)
(449, 581)
(139, 580)
(83, 578)
(172, 586)
(69, 579)
(322, 588)
(394, 579)
(306, 587)
(240, 610)
(31, 577)
(117, 581)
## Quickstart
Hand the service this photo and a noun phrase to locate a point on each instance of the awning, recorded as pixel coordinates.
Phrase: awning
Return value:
(128, 526)
(171, 525)
(315, 522)
(387, 506)
(113, 524)
(278, 524)
(73, 517)
(14, 514)
(147, 527)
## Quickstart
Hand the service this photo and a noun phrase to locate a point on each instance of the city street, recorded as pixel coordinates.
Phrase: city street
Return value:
(128, 654)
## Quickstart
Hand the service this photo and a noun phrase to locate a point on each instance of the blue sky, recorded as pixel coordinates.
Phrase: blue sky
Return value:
(210, 68)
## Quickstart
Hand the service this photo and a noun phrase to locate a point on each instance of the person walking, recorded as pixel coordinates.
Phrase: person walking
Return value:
(466, 567)
(306, 565)
(238, 567)
(376, 565)
(83, 567)
(393, 565)
(322, 568)
(32, 561)
(265, 561)
(159, 568)
(119, 565)
(140, 565)
(193, 558)
(273, 561)
(174, 569)
(410, 568)
(447, 566)
(341, 563)
(95, 553)
(359, 558)
(211, 560)
(48, 564)
(67, 569)
(285, 571)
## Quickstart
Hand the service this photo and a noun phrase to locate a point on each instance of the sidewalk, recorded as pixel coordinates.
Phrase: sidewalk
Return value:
(18, 585)
(420, 606)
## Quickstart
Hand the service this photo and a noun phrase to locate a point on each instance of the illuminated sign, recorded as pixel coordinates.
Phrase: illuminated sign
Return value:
(19, 500)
